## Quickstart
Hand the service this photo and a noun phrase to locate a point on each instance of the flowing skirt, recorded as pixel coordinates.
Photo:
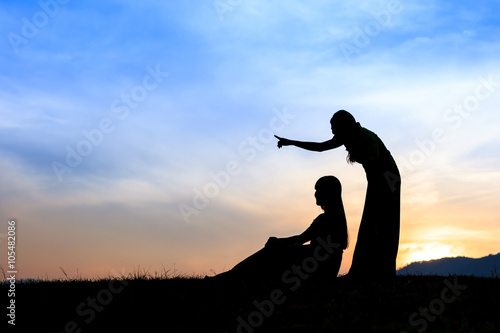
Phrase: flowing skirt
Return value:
(378, 238)
(279, 262)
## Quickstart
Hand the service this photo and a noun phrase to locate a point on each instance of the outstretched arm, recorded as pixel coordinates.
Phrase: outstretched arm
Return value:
(315, 228)
(294, 240)
(312, 146)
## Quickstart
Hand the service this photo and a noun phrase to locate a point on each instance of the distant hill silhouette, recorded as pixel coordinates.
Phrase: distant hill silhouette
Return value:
(482, 267)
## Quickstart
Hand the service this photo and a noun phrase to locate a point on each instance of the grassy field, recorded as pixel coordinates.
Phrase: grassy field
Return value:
(149, 304)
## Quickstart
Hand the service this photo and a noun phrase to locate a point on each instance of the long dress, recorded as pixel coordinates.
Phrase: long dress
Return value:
(271, 262)
(378, 237)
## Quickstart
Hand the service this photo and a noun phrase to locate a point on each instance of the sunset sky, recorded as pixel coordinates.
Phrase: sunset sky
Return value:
(138, 134)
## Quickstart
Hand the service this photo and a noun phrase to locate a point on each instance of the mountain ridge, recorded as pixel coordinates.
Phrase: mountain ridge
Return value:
(488, 266)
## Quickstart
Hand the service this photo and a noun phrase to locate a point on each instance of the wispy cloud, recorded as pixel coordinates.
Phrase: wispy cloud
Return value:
(414, 62)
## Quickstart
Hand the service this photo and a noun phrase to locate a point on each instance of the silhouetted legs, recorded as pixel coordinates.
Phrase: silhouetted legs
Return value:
(378, 237)
(272, 263)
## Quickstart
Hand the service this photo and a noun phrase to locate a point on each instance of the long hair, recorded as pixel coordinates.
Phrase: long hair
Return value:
(344, 122)
(334, 188)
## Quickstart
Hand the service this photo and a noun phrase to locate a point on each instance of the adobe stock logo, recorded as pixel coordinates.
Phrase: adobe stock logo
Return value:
(363, 36)
(224, 6)
(453, 119)
(437, 306)
(30, 28)
(292, 279)
(248, 150)
(121, 108)
(94, 305)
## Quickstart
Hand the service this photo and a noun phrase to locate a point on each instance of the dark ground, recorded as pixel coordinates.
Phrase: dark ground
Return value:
(409, 303)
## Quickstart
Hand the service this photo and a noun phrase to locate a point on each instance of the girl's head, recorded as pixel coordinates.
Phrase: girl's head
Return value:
(342, 123)
(328, 192)
(329, 197)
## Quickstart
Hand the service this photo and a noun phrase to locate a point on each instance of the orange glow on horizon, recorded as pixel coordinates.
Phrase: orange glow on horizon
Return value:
(424, 252)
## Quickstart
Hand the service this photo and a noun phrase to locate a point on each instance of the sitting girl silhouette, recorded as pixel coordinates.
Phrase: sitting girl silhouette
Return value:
(378, 237)
(327, 235)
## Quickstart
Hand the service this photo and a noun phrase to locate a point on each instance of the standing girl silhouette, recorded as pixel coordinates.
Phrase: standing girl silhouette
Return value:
(378, 237)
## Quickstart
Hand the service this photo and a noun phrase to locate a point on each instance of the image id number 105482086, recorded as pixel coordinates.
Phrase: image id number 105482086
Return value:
(12, 272)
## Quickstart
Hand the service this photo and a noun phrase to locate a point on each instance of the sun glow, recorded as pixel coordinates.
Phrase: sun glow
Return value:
(422, 252)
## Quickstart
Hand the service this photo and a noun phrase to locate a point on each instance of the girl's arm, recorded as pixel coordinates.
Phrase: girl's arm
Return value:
(304, 237)
(293, 240)
(312, 146)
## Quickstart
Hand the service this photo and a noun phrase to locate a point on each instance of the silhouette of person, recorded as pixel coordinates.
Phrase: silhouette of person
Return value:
(327, 235)
(378, 237)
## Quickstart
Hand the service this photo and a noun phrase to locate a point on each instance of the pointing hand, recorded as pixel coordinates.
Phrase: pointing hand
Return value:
(282, 141)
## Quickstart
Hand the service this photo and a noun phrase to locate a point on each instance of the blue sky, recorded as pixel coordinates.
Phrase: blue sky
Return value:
(174, 92)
